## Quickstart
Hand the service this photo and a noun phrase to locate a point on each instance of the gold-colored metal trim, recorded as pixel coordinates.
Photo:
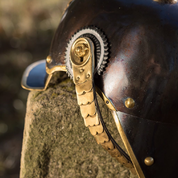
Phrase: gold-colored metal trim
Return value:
(105, 99)
(129, 103)
(49, 59)
(55, 69)
(149, 161)
(48, 71)
(37, 89)
(127, 145)
(83, 59)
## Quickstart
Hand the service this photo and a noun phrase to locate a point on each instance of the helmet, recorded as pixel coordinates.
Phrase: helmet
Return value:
(127, 51)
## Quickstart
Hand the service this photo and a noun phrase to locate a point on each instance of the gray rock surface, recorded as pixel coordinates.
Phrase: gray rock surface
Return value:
(56, 143)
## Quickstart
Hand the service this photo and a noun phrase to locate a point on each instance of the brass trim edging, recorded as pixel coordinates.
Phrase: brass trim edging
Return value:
(49, 72)
(37, 89)
(66, 7)
(83, 62)
(55, 69)
(128, 146)
(105, 99)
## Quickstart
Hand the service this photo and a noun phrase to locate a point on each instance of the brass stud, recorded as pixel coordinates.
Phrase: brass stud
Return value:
(129, 103)
(77, 78)
(88, 75)
(149, 161)
(81, 70)
(48, 59)
(81, 50)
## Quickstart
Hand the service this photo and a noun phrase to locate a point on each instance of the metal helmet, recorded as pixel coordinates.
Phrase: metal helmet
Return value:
(127, 51)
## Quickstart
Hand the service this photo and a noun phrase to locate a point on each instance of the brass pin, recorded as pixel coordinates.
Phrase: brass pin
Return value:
(81, 50)
(77, 78)
(48, 59)
(81, 70)
(129, 103)
(88, 75)
(149, 161)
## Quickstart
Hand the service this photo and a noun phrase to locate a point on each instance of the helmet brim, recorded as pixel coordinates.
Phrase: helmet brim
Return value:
(35, 76)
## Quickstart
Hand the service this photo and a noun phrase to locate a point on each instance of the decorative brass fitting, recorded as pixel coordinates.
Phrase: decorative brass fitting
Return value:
(82, 58)
(83, 64)
(129, 103)
(80, 52)
(81, 49)
(149, 161)
(49, 59)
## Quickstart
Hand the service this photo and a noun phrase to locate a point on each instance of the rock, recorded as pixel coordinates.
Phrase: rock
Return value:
(57, 144)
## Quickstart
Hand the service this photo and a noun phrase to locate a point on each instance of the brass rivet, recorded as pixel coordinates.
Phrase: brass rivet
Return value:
(149, 161)
(81, 70)
(80, 52)
(48, 59)
(77, 78)
(107, 102)
(88, 75)
(129, 103)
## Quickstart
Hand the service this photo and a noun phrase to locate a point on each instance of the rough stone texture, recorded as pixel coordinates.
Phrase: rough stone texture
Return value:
(57, 144)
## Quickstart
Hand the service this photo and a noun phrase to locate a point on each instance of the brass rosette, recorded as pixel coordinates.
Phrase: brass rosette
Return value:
(101, 50)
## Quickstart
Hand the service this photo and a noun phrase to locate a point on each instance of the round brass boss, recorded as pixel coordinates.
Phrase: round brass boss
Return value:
(149, 161)
(129, 103)
(80, 51)
(48, 59)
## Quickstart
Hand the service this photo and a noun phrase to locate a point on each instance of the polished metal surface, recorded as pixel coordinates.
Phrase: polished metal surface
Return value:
(80, 53)
(143, 61)
(82, 57)
(49, 59)
(149, 161)
(129, 103)
(109, 104)
(56, 68)
(127, 144)
(143, 65)
(139, 79)
(152, 139)
(101, 48)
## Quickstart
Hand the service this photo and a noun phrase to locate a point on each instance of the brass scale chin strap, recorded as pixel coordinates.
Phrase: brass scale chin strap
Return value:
(83, 62)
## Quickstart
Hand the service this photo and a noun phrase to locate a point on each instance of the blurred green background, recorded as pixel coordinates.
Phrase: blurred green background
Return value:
(26, 31)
